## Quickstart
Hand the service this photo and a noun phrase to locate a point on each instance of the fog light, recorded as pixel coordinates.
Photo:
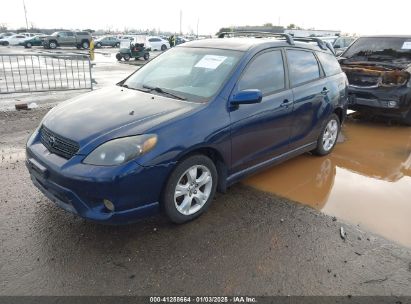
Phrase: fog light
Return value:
(108, 204)
(392, 103)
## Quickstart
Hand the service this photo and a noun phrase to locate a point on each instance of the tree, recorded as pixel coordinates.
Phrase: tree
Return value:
(268, 24)
(291, 26)
(224, 29)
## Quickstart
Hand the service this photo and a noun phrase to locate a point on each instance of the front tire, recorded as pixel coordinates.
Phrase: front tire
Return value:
(163, 47)
(27, 45)
(190, 189)
(407, 119)
(146, 56)
(98, 45)
(52, 44)
(328, 136)
(85, 44)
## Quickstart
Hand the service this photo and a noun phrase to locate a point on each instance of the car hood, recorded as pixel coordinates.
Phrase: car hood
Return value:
(112, 112)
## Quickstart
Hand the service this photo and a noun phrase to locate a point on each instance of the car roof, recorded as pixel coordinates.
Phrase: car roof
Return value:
(245, 44)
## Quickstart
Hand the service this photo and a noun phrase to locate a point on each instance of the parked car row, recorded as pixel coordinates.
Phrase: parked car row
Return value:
(10, 38)
(81, 40)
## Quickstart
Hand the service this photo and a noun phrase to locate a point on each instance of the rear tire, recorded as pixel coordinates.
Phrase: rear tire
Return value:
(98, 45)
(328, 136)
(119, 57)
(146, 56)
(190, 189)
(27, 45)
(126, 57)
(117, 45)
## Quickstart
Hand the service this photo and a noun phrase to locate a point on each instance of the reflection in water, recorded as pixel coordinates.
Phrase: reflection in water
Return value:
(366, 180)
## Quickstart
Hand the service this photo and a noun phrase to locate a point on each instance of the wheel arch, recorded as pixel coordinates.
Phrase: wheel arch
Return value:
(218, 160)
(340, 112)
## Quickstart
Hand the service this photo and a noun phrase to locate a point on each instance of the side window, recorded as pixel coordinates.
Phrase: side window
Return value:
(62, 34)
(303, 66)
(69, 34)
(265, 73)
(329, 63)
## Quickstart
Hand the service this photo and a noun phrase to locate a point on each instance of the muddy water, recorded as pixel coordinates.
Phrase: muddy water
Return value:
(365, 181)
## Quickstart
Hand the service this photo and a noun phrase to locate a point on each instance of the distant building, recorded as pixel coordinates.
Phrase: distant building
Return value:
(311, 33)
(270, 29)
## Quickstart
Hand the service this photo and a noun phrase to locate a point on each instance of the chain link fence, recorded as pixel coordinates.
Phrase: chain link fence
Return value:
(23, 73)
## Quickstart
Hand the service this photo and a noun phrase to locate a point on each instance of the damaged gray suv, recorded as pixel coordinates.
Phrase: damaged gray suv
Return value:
(378, 70)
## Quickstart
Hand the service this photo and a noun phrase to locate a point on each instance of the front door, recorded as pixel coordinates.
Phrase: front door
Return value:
(261, 131)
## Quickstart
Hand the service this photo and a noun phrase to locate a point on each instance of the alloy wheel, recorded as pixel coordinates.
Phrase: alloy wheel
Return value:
(330, 135)
(193, 189)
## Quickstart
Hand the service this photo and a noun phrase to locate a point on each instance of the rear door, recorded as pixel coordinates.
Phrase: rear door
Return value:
(310, 90)
(261, 131)
(71, 38)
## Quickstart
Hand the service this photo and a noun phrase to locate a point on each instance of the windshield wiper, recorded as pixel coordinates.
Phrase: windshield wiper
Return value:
(137, 89)
(162, 91)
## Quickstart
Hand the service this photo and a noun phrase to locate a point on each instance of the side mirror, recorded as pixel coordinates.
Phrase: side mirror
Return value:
(247, 97)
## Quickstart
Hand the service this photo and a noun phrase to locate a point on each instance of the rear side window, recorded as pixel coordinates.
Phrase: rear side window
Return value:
(265, 73)
(329, 63)
(303, 66)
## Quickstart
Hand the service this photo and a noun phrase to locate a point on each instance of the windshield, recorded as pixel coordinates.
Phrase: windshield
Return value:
(193, 73)
(379, 48)
(55, 34)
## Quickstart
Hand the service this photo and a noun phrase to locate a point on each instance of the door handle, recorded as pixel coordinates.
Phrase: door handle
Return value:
(325, 91)
(285, 103)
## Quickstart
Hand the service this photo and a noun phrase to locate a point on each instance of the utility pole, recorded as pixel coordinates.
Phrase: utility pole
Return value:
(198, 21)
(181, 22)
(25, 15)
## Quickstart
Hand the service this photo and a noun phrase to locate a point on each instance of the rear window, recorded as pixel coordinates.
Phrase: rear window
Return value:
(303, 66)
(329, 64)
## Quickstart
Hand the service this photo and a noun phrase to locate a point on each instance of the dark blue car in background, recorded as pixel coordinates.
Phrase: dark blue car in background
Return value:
(194, 120)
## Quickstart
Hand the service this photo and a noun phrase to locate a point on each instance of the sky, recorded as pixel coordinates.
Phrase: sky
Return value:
(350, 16)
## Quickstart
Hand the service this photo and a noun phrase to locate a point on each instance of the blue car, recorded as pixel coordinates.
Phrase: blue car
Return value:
(194, 120)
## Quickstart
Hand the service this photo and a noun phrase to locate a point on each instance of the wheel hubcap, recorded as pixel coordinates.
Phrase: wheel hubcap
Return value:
(330, 135)
(193, 189)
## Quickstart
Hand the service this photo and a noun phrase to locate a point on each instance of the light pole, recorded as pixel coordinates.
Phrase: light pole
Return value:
(181, 22)
(25, 15)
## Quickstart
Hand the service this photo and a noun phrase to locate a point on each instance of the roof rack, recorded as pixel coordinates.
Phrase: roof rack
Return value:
(256, 34)
(320, 42)
(290, 39)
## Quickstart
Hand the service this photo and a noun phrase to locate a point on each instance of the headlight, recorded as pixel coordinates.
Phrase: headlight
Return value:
(121, 150)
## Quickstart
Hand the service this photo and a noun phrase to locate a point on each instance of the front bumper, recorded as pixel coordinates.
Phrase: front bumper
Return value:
(81, 189)
(389, 102)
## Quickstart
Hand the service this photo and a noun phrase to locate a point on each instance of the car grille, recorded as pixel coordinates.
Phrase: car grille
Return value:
(58, 144)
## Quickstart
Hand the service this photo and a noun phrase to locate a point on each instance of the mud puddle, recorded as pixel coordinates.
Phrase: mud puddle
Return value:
(365, 181)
